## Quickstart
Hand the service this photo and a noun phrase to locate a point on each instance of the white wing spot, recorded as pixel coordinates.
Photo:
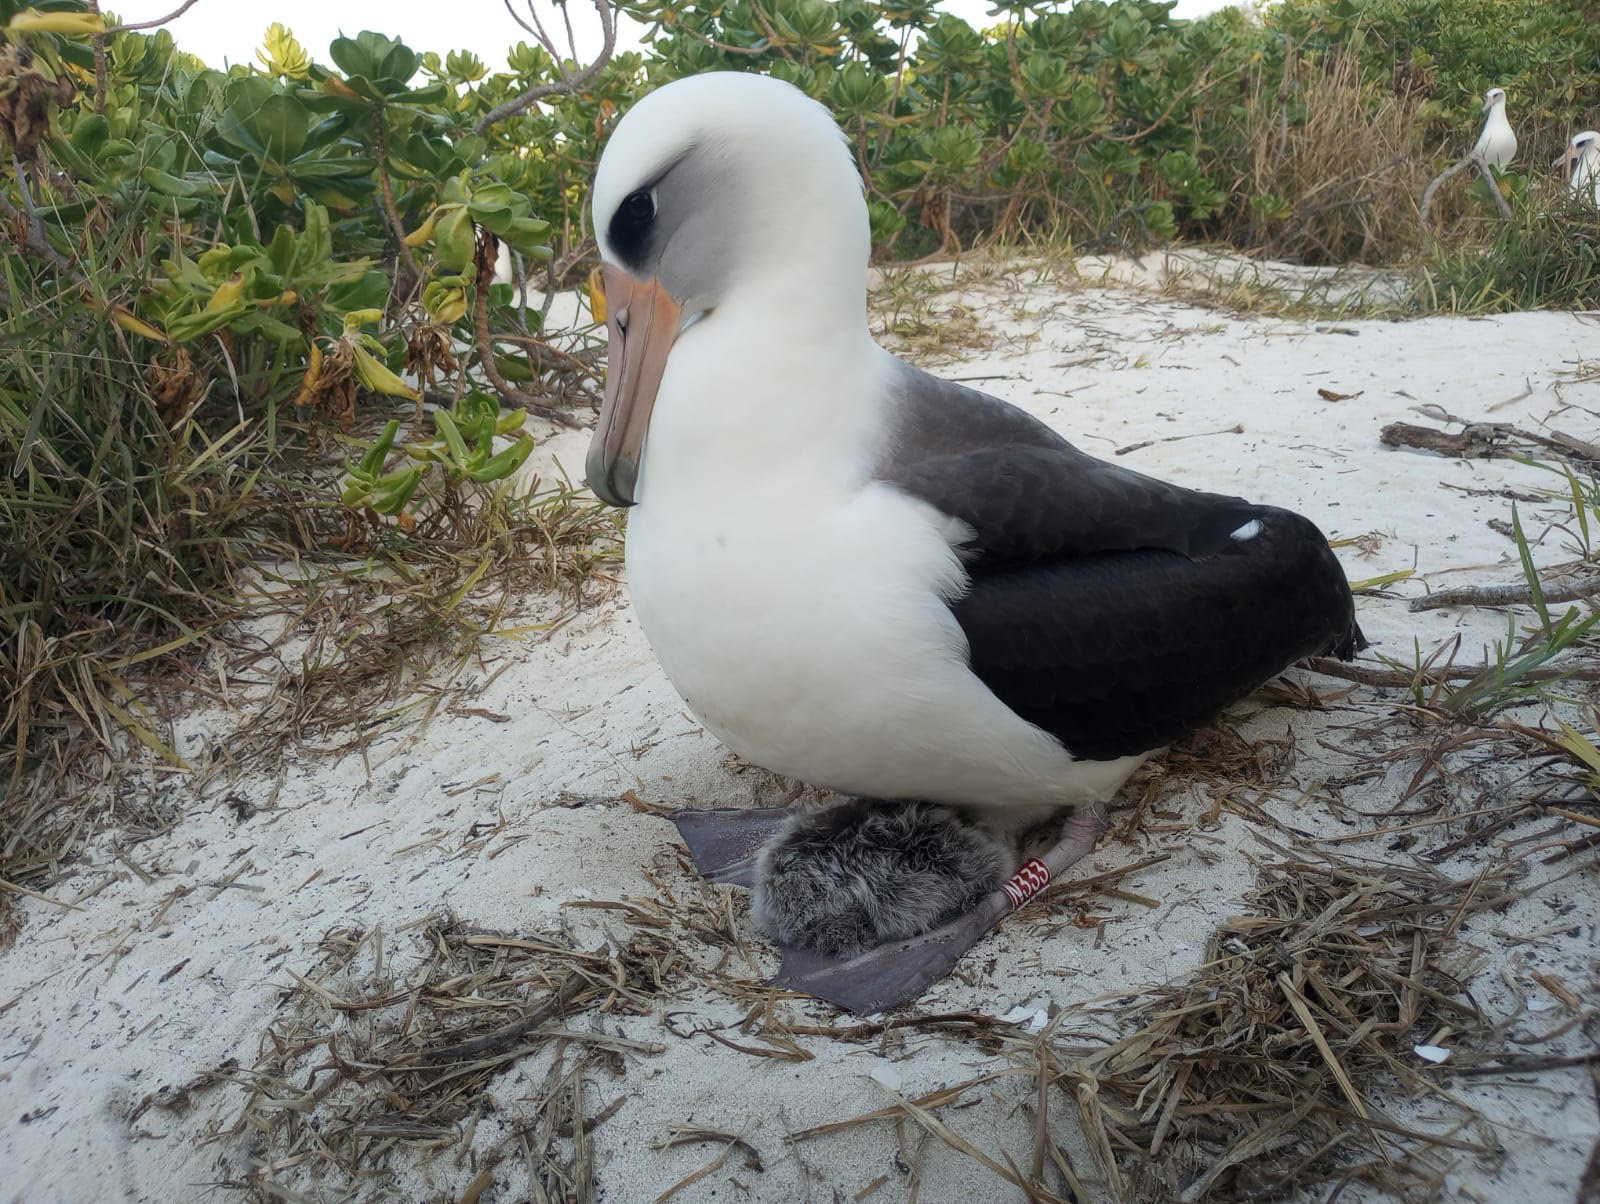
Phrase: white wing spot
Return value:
(1249, 531)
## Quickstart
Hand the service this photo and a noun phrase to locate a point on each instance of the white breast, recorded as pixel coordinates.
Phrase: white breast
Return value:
(1497, 145)
(801, 615)
(1585, 180)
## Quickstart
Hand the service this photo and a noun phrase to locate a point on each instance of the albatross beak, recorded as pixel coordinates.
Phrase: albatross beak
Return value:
(642, 320)
(1566, 161)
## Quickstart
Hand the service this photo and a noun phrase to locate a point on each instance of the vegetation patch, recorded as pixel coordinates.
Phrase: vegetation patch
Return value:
(301, 312)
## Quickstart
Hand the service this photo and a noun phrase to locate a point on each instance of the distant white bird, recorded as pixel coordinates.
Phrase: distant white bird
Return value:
(1580, 163)
(1497, 145)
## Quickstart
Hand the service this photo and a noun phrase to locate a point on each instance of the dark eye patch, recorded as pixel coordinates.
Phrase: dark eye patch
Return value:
(631, 225)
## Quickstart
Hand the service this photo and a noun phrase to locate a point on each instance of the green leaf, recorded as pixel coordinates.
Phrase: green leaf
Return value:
(170, 185)
(1528, 570)
(453, 239)
(89, 134)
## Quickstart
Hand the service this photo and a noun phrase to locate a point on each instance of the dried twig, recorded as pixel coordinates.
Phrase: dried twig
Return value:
(1237, 429)
(681, 1135)
(1252, 1079)
(1558, 589)
(1472, 160)
(1369, 675)
(386, 205)
(1484, 440)
(502, 1037)
(1515, 1065)
(172, 16)
(34, 241)
(98, 41)
(570, 82)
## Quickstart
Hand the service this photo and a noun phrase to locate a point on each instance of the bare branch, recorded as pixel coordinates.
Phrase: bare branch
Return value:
(1500, 201)
(570, 82)
(1570, 588)
(519, 20)
(98, 41)
(566, 19)
(172, 16)
(1369, 675)
(35, 240)
(543, 36)
(1460, 165)
(386, 204)
(725, 47)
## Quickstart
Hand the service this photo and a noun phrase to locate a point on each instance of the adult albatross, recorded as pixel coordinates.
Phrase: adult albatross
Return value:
(1580, 164)
(869, 579)
(1497, 144)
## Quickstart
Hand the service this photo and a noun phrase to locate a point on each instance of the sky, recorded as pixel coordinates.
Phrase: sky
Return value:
(222, 31)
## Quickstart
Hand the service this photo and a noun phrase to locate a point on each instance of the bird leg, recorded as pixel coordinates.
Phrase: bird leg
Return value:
(1084, 827)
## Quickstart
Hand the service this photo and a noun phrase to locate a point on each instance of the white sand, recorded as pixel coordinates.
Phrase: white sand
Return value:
(126, 993)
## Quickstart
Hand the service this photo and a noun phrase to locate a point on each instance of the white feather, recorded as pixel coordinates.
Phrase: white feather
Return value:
(1497, 144)
(798, 606)
(1585, 163)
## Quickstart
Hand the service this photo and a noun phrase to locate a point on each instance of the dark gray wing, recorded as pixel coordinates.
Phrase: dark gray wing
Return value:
(1114, 610)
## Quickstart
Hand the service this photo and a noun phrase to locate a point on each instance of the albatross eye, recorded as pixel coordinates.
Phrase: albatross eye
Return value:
(631, 225)
(639, 207)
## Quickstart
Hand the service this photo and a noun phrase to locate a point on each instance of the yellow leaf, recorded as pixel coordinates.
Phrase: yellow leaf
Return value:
(1582, 747)
(31, 20)
(135, 325)
(423, 232)
(377, 377)
(227, 293)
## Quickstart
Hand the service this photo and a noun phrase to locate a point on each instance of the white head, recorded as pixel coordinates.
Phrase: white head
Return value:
(1494, 98)
(716, 195)
(1584, 147)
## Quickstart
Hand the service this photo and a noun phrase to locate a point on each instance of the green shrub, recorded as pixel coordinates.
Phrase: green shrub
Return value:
(1546, 257)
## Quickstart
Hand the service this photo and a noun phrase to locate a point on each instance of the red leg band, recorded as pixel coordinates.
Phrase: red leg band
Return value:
(1031, 878)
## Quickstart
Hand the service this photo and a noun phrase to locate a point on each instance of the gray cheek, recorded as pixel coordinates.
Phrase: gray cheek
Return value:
(697, 261)
(701, 227)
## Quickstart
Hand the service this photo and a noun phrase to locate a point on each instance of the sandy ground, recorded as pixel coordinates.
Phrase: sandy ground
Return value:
(178, 951)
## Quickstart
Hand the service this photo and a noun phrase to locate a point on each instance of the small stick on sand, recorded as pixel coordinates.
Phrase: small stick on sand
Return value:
(1133, 447)
(1559, 589)
(1368, 675)
(1483, 440)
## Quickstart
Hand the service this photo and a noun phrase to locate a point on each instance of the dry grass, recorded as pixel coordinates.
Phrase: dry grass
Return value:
(342, 627)
(371, 1057)
(364, 643)
(1353, 171)
(915, 313)
(1284, 1066)
(1274, 1069)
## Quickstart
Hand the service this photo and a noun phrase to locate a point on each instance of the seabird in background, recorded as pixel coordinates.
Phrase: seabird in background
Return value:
(1580, 163)
(869, 579)
(1497, 145)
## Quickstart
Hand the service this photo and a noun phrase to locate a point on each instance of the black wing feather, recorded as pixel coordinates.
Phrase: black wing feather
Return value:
(1032, 504)
(1114, 610)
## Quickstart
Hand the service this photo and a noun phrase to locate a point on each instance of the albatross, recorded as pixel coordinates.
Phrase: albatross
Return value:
(1497, 144)
(1580, 163)
(876, 581)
